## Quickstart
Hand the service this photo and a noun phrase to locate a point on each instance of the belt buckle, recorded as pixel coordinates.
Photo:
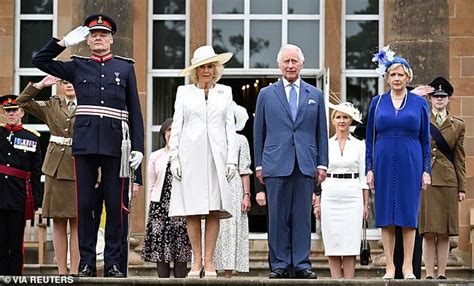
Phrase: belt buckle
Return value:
(67, 141)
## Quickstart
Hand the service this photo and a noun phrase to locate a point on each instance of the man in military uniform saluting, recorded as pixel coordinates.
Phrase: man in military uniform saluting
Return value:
(108, 131)
(439, 215)
(20, 171)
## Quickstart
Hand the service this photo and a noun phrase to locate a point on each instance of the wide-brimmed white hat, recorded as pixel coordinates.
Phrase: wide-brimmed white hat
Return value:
(241, 117)
(204, 55)
(349, 109)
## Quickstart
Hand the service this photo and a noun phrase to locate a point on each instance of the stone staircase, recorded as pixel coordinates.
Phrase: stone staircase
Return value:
(258, 264)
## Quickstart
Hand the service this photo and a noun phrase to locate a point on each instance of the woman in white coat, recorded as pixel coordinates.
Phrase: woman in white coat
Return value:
(202, 154)
(344, 199)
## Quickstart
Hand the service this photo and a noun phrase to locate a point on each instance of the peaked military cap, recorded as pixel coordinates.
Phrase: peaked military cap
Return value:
(442, 87)
(101, 22)
(8, 101)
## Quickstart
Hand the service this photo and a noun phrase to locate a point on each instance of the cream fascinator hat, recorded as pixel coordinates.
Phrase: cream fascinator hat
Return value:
(241, 117)
(204, 55)
(347, 108)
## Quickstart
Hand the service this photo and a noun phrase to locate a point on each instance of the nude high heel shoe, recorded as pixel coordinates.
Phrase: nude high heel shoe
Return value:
(196, 274)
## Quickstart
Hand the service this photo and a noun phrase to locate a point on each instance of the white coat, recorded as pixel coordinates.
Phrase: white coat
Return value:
(197, 123)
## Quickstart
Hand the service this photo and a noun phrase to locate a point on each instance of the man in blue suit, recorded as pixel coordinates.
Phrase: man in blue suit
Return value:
(291, 156)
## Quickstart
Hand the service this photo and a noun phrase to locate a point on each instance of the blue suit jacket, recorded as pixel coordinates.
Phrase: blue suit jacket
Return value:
(278, 141)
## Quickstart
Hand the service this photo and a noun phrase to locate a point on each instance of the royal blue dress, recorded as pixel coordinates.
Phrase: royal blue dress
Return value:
(401, 155)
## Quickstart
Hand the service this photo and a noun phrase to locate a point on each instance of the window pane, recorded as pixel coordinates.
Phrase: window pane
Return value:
(36, 7)
(168, 44)
(362, 6)
(169, 7)
(305, 34)
(164, 94)
(228, 36)
(265, 7)
(265, 41)
(360, 90)
(44, 94)
(361, 38)
(33, 36)
(303, 7)
(228, 7)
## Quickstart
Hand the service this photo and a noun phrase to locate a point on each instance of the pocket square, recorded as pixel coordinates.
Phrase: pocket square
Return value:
(311, 101)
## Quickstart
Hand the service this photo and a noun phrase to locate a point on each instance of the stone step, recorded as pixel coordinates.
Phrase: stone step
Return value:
(260, 271)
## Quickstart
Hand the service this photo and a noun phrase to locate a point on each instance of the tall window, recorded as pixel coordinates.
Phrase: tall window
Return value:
(254, 30)
(362, 35)
(34, 26)
(167, 56)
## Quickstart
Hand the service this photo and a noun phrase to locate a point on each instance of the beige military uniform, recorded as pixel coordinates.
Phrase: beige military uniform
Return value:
(59, 199)
(439, 203)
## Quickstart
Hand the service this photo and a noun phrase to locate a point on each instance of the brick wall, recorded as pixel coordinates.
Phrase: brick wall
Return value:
(461, 71)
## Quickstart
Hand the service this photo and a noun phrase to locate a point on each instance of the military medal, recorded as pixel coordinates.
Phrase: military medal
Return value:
(24, 144)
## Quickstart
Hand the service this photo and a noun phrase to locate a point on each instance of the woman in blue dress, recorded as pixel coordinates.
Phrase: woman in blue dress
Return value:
(397, 159)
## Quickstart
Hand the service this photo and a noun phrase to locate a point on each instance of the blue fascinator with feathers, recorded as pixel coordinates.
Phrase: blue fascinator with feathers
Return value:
(385, 58)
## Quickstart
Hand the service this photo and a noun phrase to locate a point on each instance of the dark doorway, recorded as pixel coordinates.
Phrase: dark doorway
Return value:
(245, 92)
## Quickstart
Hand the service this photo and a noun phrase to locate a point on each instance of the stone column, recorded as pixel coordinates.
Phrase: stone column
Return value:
(418, 30)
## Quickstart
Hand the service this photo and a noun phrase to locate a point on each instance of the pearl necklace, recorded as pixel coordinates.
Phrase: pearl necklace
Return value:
(404, 102)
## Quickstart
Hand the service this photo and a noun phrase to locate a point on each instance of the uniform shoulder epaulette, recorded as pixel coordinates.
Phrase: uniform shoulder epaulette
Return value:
(80, 57)
(130, 60)
(33, 131)
(458, 118)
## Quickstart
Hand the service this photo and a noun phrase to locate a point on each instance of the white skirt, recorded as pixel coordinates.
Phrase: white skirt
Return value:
(342, 207)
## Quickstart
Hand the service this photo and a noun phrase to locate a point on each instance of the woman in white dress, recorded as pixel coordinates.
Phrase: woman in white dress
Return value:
(202, 155)
(232, 251)
(345, 196)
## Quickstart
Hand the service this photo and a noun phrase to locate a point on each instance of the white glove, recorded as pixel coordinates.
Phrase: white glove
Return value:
(230, 171)
(175, 168)
(76, 36)
(135, 159)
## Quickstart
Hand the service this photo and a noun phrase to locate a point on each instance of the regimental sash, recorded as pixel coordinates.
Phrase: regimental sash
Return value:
(443, 146)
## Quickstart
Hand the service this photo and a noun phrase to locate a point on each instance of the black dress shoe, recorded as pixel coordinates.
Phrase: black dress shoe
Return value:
(429, 278)
(279, 273)
(87, 271)
(305, 274)
(113, 272)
